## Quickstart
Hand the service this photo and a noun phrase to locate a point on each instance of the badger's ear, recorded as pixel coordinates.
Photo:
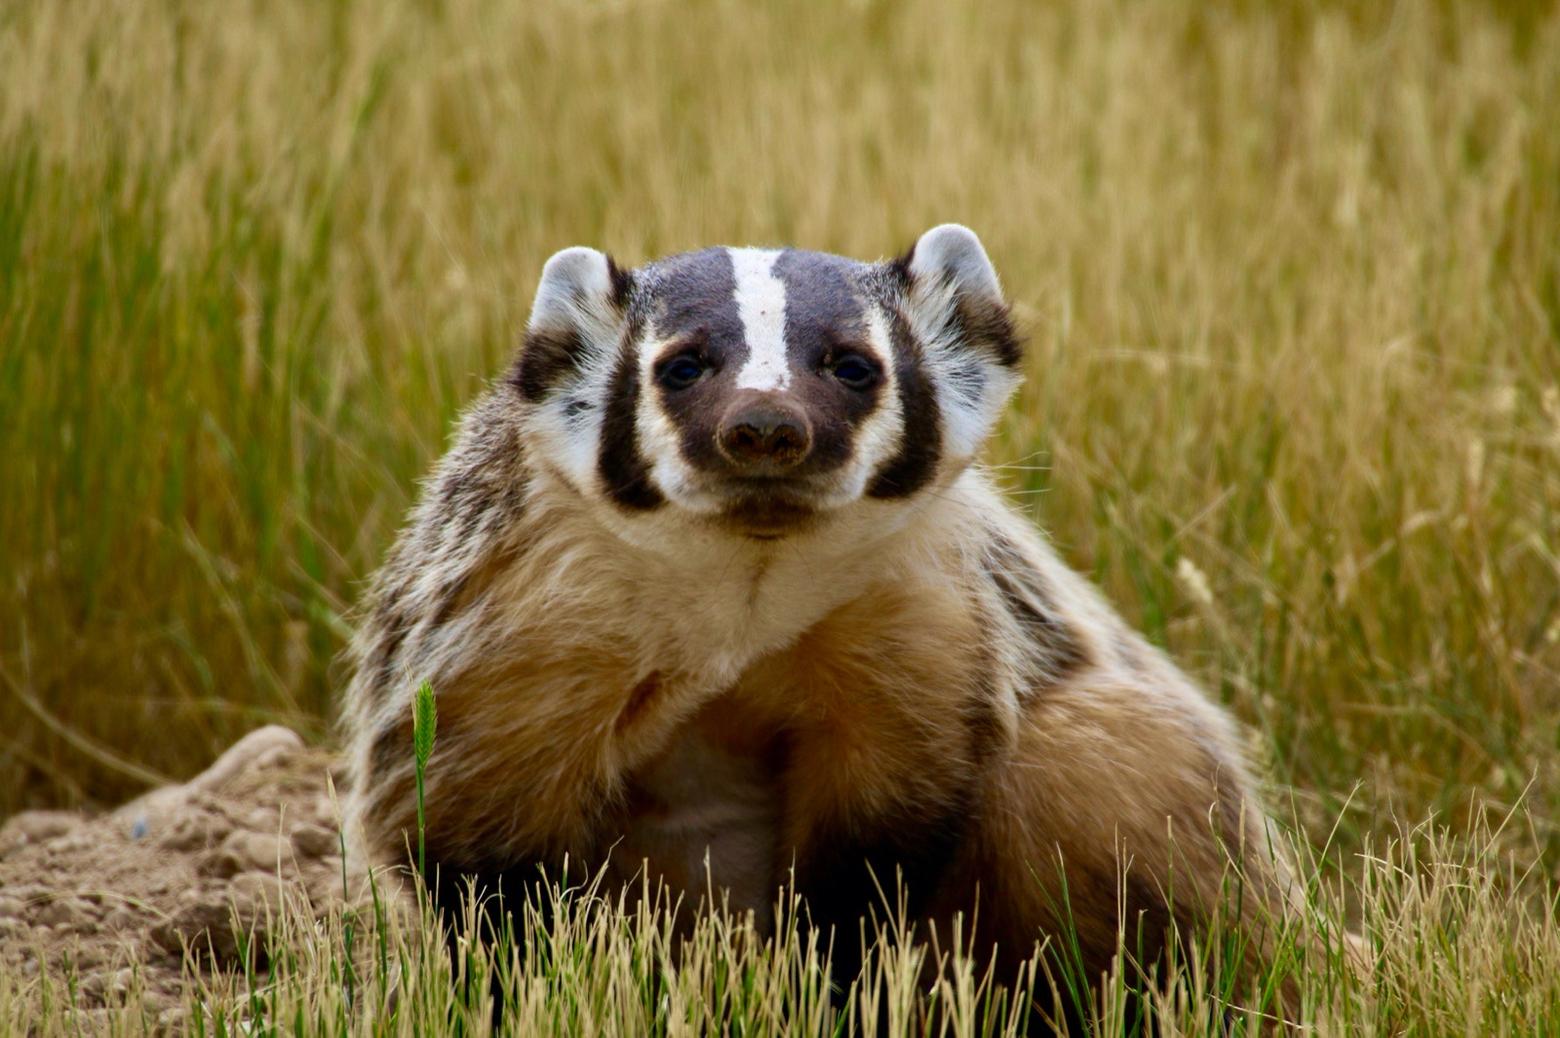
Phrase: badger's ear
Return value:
(578, 315)
(952, 252)
(953, 289)
(954, 305)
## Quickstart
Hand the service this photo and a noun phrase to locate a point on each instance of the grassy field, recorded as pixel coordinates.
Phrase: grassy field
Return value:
(1291, 277)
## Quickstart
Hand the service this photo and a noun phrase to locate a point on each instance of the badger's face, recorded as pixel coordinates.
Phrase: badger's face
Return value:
(765, 391)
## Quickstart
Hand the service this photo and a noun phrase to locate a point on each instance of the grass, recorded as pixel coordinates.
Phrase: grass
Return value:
(1454, 945)
(425, 719)
(1290, 274)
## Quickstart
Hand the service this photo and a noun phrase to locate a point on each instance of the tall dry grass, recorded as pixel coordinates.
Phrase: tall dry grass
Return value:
(1290, 274)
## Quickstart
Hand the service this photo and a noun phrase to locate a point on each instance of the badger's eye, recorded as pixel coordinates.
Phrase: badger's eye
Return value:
(855, 372)
(680, 372)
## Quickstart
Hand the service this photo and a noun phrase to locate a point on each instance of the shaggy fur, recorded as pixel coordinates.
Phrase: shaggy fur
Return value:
(639, 664)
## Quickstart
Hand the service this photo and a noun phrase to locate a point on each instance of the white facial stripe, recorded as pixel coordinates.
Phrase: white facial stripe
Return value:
(761, 304)
(878, 437)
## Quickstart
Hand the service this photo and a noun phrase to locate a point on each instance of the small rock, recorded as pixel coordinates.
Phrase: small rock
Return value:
(322, 881)
(254, 892)
(245, 852)
(219, 864)
(89, 956)
(314, 841)
(33, 827)
(261, 851)
(167, 937)
(207, 925)
(64, 912)
(71, 842)
(107, 986)
(94, 1020)
(92, 987)
(186, 834)
(27, 896)
(262, 818)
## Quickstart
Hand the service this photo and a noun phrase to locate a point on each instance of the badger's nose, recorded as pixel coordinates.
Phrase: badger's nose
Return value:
(767, 435)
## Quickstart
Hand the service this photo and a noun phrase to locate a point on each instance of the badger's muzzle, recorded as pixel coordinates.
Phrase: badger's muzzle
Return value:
(764, 434)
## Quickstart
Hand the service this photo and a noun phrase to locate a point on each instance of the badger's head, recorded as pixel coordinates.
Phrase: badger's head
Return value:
(766, 392)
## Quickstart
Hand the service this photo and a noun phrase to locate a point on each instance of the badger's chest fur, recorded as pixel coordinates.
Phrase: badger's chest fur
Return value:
(709, 582)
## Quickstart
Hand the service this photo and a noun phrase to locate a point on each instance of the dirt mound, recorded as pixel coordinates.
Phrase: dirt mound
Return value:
(115, 899)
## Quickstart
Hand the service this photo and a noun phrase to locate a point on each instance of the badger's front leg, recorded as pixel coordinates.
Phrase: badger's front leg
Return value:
(528, 768)
(896, 725)
(546, 703)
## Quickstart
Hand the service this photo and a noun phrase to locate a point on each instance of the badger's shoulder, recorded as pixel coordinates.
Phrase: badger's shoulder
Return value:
(1058, 633)
(477, 490)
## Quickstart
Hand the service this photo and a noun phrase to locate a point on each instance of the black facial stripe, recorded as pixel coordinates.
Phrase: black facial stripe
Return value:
(624, 474)
(920, 442)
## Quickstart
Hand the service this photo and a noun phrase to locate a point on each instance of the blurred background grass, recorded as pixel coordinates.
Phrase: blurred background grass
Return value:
(1291, 275)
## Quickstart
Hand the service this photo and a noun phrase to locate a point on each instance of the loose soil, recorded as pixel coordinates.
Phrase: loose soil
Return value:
(116, 900)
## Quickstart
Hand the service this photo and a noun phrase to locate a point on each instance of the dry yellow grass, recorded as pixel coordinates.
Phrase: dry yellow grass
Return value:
(1290, 273)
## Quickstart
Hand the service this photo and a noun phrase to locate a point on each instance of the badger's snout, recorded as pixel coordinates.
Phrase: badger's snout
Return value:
(764, 434)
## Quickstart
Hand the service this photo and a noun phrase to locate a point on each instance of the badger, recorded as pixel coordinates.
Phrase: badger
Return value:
(711, 588)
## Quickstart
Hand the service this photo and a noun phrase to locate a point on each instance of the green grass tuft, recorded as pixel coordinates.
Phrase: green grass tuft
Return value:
(425, 719)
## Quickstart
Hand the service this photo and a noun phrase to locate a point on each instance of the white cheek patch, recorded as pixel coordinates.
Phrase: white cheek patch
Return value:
(970, 392)
(761, 304)
(568, 424)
